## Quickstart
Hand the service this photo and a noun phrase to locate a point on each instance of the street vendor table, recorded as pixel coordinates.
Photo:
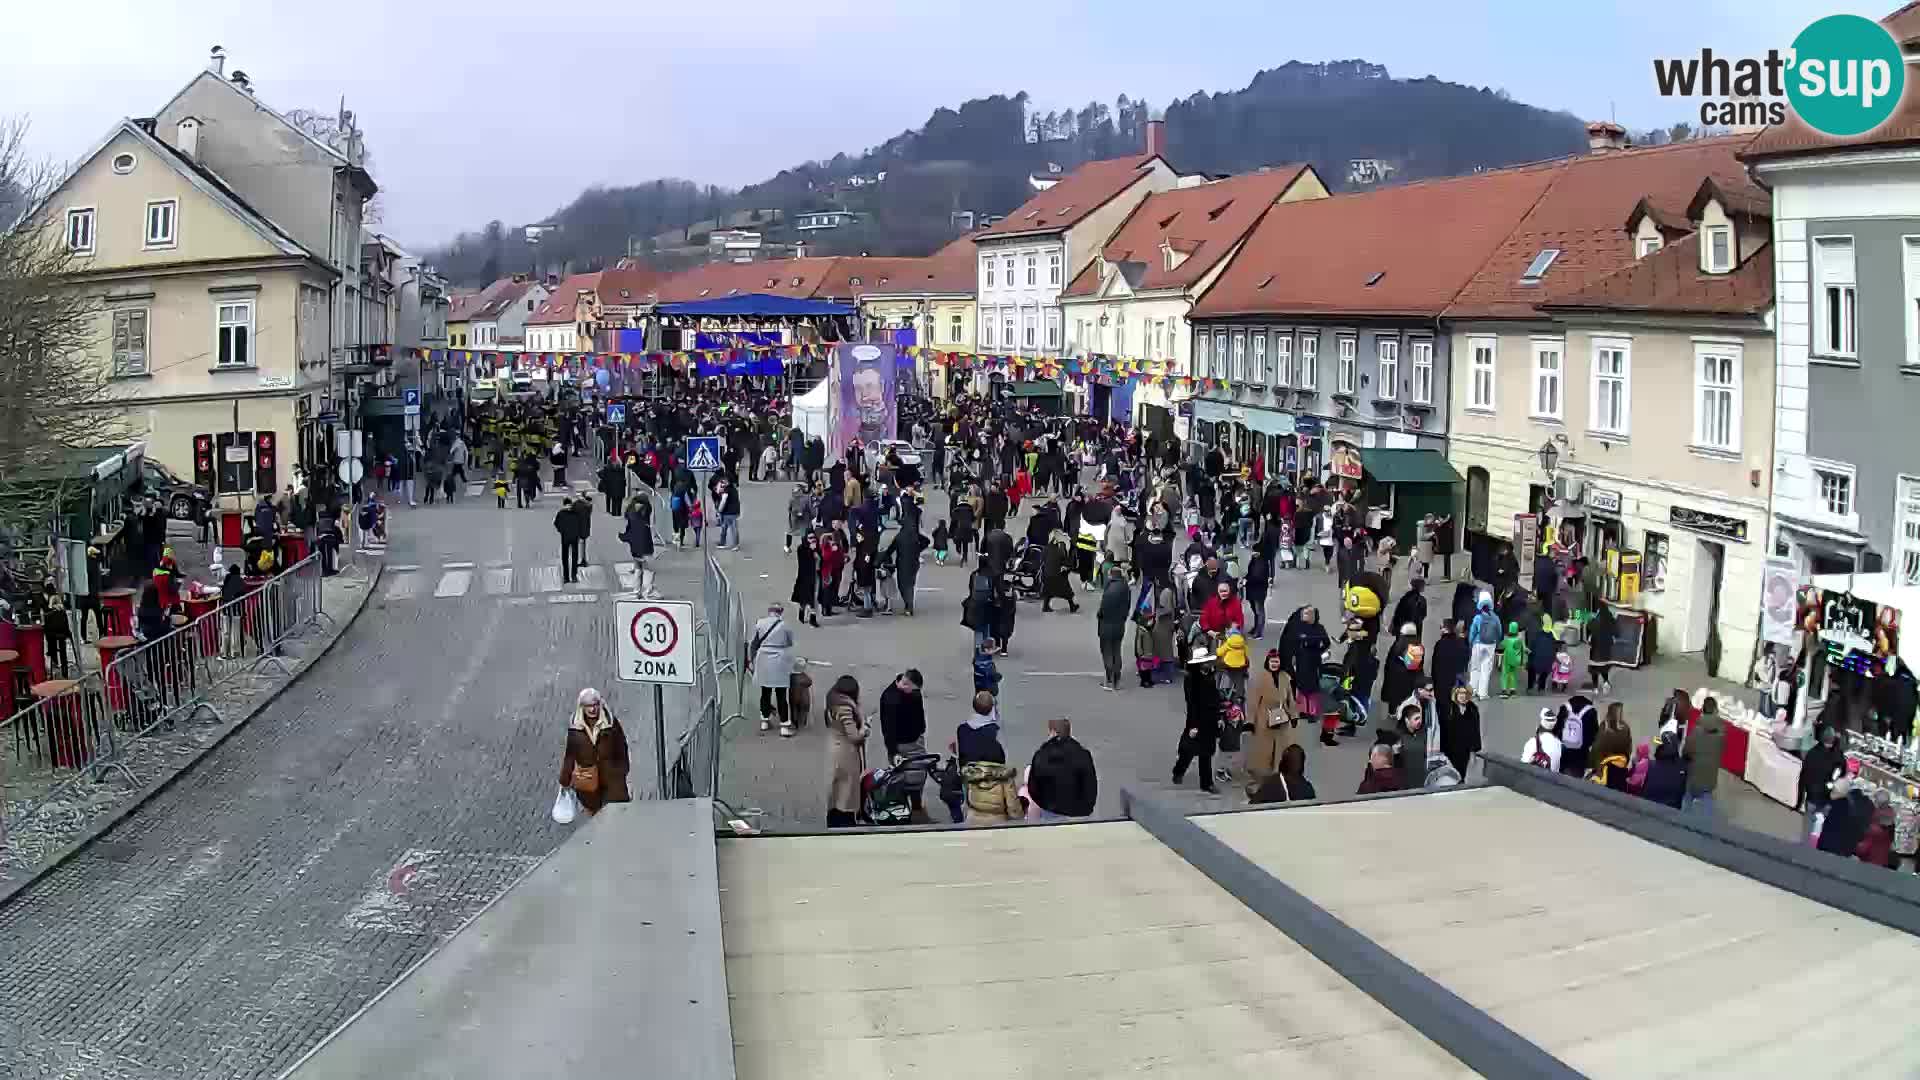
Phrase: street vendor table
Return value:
(31, 642)
(208, 630)
(110, 649)
(66, 720)
(293, 547)
(116, 607)
(1773, 771)
(9, 665)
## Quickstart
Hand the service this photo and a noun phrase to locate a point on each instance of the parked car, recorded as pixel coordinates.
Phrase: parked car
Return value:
(176, 494)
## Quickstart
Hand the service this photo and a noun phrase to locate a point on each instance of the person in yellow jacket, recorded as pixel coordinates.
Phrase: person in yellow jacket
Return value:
(1232, 655)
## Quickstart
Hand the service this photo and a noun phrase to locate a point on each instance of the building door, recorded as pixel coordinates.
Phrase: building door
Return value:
(1704, 609)
(1477, 486)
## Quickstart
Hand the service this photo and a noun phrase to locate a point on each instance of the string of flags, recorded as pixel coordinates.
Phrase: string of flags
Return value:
(773, 359)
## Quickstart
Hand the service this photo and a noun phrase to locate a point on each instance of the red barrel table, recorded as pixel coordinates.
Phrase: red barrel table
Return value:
(9, 663)
(294, 546)
(66, 721)
(117, 606)
(111, 647)
(233, 529)
(207, 628)
(30, 642)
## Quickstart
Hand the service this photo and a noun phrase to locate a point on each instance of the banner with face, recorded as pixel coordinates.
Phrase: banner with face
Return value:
(865, 406)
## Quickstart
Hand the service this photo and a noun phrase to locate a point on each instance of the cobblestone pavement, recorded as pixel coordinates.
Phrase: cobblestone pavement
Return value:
(1055, 670)
(168, 748)
(232, 922)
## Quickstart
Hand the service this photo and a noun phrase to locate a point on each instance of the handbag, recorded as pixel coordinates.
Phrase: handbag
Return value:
(566, 806)
(586, 778)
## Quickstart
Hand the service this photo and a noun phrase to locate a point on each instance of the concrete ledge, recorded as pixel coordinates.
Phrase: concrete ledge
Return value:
(1873, 893)
(1479, 1041)
(99, 826)
(606, 959)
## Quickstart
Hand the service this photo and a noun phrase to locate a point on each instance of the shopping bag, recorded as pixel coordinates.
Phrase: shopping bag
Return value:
(566, 806)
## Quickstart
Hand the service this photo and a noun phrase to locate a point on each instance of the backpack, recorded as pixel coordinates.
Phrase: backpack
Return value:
(1538, 756)
(1486, 629)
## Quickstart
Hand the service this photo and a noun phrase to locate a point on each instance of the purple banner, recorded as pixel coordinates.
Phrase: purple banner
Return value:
(864, 406)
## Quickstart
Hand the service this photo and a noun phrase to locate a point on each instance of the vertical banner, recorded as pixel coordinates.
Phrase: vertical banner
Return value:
(1779, 601)
(863, 401)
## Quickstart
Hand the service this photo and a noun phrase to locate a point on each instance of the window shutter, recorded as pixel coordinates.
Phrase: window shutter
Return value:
(1834, 260)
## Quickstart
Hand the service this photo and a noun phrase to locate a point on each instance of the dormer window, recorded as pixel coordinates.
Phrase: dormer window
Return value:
(856, 281)
(1718, 243)
(1646, 245)
(1537, 269)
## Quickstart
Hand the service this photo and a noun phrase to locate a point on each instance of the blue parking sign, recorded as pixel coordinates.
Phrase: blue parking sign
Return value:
(410, 395)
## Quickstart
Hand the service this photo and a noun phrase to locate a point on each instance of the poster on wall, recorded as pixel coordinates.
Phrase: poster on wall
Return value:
(1346, 462)
(1860, 635)
(864, 406)
(1526, 533)
(1779, 602)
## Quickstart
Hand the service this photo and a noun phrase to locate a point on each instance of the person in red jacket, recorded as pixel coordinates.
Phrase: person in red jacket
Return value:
(833, 560)
(1222, 610)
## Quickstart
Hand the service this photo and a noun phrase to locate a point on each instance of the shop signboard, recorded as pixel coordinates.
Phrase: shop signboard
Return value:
(1346, 462)
(1847, 625)
(1604, 500)
(1720, 525)
(1305, 426)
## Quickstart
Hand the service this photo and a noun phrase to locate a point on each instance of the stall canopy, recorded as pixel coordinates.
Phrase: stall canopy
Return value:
(810, 412)
(754, 304)
(1036, 388)
(1408, 467)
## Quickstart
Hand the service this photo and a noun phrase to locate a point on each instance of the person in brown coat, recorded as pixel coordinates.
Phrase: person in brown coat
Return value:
(846, 752)
(595, 762)
(1272, 711)
(992, 793)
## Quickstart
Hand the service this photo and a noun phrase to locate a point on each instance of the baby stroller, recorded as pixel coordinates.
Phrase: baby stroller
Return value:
(1024, 570)
(892, 795)
(1338, 702)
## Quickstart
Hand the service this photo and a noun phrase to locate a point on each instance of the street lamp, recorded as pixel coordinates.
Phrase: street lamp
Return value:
(1549, 457)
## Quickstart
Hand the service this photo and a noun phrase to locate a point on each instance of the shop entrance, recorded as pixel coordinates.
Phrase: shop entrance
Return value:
(1709, 565)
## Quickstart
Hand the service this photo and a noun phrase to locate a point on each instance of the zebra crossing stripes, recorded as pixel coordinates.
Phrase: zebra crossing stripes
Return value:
(451, 581)
(498, 582)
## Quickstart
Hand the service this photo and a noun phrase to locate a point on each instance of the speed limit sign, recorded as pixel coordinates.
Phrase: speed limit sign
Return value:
(653, 641)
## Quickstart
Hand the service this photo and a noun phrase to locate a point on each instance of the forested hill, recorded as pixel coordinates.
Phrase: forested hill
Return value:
(907, 190)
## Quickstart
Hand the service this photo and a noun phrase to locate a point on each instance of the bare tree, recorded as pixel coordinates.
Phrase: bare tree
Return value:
(326, 128)
(56, 396)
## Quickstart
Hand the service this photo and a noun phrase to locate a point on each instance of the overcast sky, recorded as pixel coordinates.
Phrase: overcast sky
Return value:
(478, 110)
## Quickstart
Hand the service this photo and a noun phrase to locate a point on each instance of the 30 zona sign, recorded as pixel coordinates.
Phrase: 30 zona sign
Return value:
(653, 641)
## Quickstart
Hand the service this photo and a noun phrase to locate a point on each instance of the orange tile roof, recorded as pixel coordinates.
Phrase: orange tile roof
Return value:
(558, 308)
(947, 271)
(1078, 194)
(1670, 281)
(1581, 215)
(629, 286)
(1795, 137)
(466, 305)
(1424, 239)
(797, 278)
(1202, 222)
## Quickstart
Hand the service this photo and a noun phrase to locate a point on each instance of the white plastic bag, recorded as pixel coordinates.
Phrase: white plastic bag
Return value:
(566, 806)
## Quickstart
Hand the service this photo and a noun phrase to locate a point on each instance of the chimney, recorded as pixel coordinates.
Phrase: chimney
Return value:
(1605, 135)
(187, 138)
(217, 61)
(239, 79)
(1156, 137)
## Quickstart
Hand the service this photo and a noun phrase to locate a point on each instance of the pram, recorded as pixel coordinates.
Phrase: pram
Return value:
(890, 795)
(1025, 568)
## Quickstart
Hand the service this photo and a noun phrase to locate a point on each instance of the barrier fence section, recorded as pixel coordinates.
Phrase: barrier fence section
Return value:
(719, 687)
(82, 730)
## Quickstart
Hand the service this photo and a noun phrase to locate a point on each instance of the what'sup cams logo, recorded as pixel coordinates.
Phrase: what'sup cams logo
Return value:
(1843, 76)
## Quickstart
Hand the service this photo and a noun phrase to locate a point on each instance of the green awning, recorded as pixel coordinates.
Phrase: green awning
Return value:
(1036, 388)
(1408, 467)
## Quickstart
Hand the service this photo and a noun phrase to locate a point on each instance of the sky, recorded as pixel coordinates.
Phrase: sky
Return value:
(483, 110)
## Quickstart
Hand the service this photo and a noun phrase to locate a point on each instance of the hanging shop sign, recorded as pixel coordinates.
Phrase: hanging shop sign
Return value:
(1345, 462)
(1727, 528)
(1604, 500)
(1307, 426)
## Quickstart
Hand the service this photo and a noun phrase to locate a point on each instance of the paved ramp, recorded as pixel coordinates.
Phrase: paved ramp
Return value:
(605, 961)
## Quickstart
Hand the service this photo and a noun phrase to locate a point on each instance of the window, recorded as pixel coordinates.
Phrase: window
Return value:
(1259, 372)
(955, 329)
(233, 323)
(1201, 357)
(1309, 361)
(1120, 337)
(1610, 381)
(130, 341)
(1031, 328)
(1546, 380)
(1346, 375)
(1910, 280)
(162, 214)
(1835, 489)
(1053, 329)
(1006, 267)
(986, 267)
(1053, 268)
(1239, 355)
(1647, 245)
(1283, 359)
(80, 231)
(1833, 295)
(1906, 531)
(1007, 337)
(1716, 410)
(1481, 351)
(124, 163)
(1537, 269)
(1423, 371)
(1221, 359)
(1387, 383)
(1033, 270)
(1719, 249)
(986, 328)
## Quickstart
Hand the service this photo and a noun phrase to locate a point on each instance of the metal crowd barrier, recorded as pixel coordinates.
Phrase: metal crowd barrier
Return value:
(719, 673)
(83, 731)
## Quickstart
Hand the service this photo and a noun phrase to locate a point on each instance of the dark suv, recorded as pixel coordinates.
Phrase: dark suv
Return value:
(175, 494)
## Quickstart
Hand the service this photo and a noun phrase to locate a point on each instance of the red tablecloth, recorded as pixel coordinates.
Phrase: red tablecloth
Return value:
(1733, 752)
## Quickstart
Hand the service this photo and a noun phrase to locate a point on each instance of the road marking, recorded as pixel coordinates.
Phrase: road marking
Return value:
(573, 598)
(520, 601)
(405, 586)
(593, 577)
(454, 583)
(401, 569)
(545, 579)
(1064, 674)
(456, 566)
(498, 581)
(628, 574)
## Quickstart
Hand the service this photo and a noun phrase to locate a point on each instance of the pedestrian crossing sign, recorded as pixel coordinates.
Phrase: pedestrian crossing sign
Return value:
(703, 453)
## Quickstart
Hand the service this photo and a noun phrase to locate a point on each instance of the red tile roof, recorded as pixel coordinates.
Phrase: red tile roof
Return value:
(797, 278)
(1581, 215)
(1670, 281)
(558, 308)
(1425, 239)
(1078, 194)
(1904, 24)
(501, 296)
(466, 304)
(1202, 222)
(1795, 137)
(629, 286)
